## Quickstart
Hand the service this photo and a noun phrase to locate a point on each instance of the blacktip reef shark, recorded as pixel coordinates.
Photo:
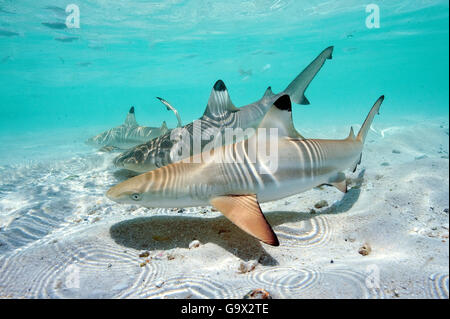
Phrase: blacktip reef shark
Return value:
(127, 135)
(236, 187)
(220, 113)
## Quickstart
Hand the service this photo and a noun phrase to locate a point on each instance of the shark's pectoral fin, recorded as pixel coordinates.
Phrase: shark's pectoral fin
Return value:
(342, 186)
(339, 181)
(357, 163)
(244, 212)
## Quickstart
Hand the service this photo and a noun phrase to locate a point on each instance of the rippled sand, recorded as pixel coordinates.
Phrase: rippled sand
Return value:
(61, 238)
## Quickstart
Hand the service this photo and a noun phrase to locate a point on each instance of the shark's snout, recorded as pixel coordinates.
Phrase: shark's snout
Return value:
(113, 193)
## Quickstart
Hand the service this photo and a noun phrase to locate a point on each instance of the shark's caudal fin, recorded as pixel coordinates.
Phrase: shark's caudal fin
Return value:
(171, 108)
(366, 125)
(130, 120)
(296, 89)
(279, 116)
(244, 212)
(219, 103)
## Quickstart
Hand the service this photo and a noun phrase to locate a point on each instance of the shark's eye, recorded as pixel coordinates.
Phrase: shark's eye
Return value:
(136, 196)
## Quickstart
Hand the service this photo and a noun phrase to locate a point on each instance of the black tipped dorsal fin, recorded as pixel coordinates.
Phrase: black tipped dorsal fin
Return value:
(130, 120)
(219, 103)
(280, 116)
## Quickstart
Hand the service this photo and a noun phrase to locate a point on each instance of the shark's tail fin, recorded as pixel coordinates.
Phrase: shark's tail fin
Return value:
(296, 89)
(366, 125)
(171, 108)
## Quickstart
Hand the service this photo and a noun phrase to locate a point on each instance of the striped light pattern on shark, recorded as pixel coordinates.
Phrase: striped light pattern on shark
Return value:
(220, 113)
(234, 183)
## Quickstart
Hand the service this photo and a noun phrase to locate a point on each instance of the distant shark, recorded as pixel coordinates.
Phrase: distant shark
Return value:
(236, 187)
(220, 113)
(127, 135)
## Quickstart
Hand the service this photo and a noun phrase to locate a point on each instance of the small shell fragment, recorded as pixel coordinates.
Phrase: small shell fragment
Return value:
(194, 244)
(320, 204)
(248, 266)
(365, 249)
(258, 294)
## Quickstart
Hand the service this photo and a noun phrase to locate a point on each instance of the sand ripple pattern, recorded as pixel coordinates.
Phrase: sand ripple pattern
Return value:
(438, 286)
(284, 282)
(37, 198)
(81, 270)
(292, 282)
(187, 287)
(345, 282)
(306, 233)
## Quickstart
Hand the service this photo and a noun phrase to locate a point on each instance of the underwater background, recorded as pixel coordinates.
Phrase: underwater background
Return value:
(127, 53)
(59, 86)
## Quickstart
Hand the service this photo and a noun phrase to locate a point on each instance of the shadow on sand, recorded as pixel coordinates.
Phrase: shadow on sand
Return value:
(168, 232)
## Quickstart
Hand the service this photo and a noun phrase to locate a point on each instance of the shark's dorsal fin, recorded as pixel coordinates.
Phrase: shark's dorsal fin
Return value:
(280, 116)
(131, 119)
(351, 135)
(164, 127)
(219, 103)
(244, 212)
(268, 93)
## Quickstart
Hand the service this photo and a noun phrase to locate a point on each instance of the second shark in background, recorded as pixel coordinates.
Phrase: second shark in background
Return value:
(130, 133)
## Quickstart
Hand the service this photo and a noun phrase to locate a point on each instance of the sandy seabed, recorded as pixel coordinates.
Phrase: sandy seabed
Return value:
(60, 237)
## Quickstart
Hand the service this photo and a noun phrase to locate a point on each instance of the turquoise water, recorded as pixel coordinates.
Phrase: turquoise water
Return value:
(60, 86)
(126, 54)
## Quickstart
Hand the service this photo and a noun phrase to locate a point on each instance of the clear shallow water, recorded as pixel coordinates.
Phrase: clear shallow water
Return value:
(126, 54)
(55, 94)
